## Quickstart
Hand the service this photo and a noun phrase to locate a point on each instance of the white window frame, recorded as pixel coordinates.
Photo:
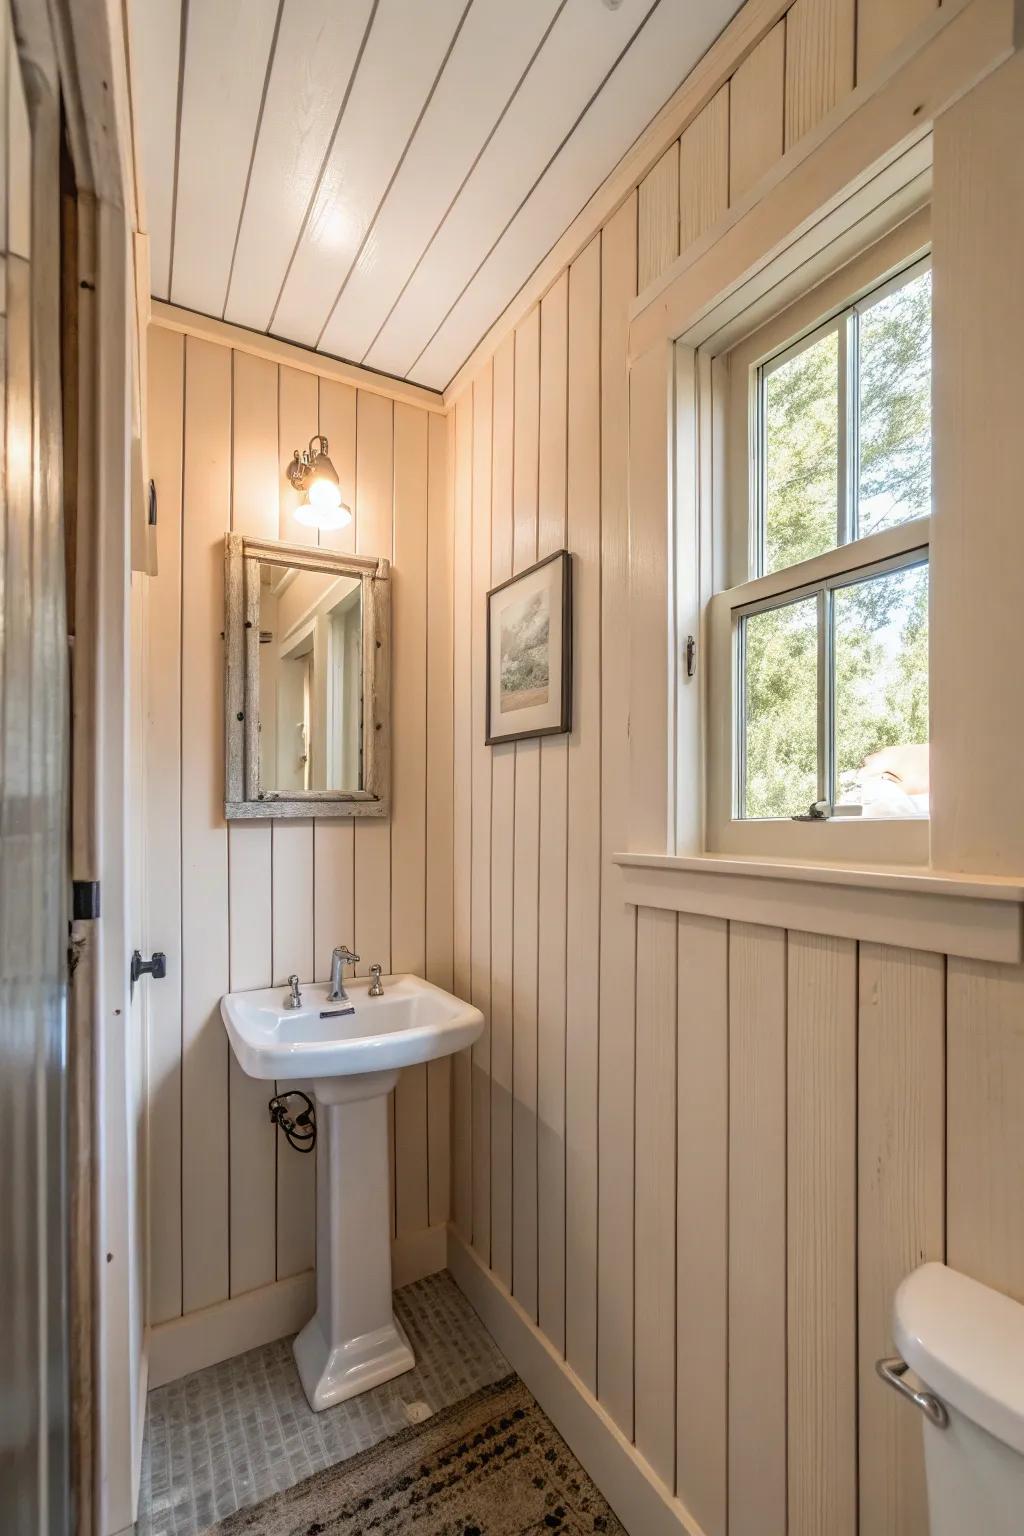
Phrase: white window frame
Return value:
(737, 424)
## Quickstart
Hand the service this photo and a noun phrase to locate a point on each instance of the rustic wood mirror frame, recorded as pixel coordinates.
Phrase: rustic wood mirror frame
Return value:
(243, 799)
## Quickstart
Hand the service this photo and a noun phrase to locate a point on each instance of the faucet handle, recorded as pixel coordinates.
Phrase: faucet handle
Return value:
(376, 990)
(294, 1000)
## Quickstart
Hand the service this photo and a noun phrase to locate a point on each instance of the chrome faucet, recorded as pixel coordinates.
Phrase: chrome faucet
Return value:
(294, 999)
(340, 957)
(376, 988)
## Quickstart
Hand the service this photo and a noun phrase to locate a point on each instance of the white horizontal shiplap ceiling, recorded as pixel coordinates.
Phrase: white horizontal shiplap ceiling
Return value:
(378, 178)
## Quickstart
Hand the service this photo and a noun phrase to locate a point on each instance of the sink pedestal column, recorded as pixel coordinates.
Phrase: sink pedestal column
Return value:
(354, 1341)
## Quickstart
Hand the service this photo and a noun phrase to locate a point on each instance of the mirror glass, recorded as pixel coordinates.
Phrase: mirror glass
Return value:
(310, 680)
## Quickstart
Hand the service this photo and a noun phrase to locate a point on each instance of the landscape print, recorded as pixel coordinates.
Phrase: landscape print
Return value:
(525, 652)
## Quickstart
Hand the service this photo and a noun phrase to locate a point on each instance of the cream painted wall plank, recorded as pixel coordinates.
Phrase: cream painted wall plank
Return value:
(334, 895)
(254, 510)
(503, 790)
(408, 816)
(755, 113)
(440, 823)
(554, 762)
(655, 1189)
(985, 1133)
(583, 904)
(483, 395)
(299, 420)
(704, 169)
(204, 843)
(616, 959)
(293, 955)
(375, 475)
(462, 1087)
(882, 25)
(702, 1225)
(526, 850)
(819, 61)
(821, 1169)
(757, 1228)
(901, 1132)
(163, 830)
(658, 218)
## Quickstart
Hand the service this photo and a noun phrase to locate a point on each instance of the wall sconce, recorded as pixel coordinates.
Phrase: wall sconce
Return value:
(313, 473)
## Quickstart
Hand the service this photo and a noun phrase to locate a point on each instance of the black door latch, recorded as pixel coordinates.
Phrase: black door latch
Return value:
(155, 966)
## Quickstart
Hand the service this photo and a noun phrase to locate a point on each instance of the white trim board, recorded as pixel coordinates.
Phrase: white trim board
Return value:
(947, 914)
(190, 1343)
(638, 1496)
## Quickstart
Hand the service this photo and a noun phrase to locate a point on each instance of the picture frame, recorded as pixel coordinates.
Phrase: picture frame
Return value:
(529, 653)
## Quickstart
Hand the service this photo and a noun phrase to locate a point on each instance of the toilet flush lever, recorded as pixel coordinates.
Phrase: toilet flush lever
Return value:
(892, 1372)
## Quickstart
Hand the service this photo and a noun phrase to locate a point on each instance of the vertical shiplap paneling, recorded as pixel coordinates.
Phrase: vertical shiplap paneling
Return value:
(408, 783)
(702, 1235)
(658, 218)
(821, 1209)
(525, 887)
(655, 1190)
(480, 958)
(757, 1229)
(254, 510)
(503, 795)
(440, 826)
(375, 479)
(819, 61)
(462, 513)
(704, 169)
(163, 831)
(204, 839)
(292, 863)
(900, 1195)
(985, 1133)
(618, 922)
(756, 94)
(551, 950)
(334, 841)
(882, 25)
(583, 896)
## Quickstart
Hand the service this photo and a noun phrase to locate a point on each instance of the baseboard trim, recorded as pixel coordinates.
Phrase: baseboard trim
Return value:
(637, 1495)
(229, 1328)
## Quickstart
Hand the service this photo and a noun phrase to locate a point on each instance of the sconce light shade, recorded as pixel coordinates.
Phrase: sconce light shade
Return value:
(313, 473)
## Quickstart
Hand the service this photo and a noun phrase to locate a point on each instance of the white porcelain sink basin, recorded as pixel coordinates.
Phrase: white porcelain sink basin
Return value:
(414, 1021)
(350, 1053)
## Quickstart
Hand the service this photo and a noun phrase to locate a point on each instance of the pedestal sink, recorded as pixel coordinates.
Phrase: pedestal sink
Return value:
(352, 1053)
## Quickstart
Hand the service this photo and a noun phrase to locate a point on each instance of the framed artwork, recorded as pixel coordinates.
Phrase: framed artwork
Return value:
(529, 652)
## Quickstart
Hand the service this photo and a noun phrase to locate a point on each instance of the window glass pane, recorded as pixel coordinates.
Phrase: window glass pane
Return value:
(780, 709)
(801, 453)
(895, 353)
(880, 640)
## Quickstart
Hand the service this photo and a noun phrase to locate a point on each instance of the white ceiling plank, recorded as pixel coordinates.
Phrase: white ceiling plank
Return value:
(156, 42)
(491, 53)
(669, 45)
(584, 44)
(317, 49)
(227, 47)
(405, 49)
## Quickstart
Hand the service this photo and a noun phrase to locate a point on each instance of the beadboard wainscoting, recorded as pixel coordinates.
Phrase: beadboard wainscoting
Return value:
(231, 1206)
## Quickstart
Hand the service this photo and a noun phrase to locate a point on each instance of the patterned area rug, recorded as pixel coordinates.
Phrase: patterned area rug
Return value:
(490, 1466)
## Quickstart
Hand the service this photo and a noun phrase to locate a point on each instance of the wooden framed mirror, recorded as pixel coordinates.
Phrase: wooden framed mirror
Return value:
(307, 681)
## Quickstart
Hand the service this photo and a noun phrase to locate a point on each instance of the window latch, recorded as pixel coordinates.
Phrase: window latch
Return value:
(820, 810)
(690, 654)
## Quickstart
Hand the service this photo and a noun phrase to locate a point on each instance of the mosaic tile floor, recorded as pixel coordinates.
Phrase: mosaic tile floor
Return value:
(235, 1433)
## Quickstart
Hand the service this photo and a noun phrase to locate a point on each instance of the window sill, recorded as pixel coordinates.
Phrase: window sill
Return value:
(977, 917)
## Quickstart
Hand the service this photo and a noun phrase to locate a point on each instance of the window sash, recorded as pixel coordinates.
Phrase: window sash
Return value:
(822, 589)
(847, 324)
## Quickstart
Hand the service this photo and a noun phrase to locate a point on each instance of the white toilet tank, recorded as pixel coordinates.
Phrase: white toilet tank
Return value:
(966, 1344)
